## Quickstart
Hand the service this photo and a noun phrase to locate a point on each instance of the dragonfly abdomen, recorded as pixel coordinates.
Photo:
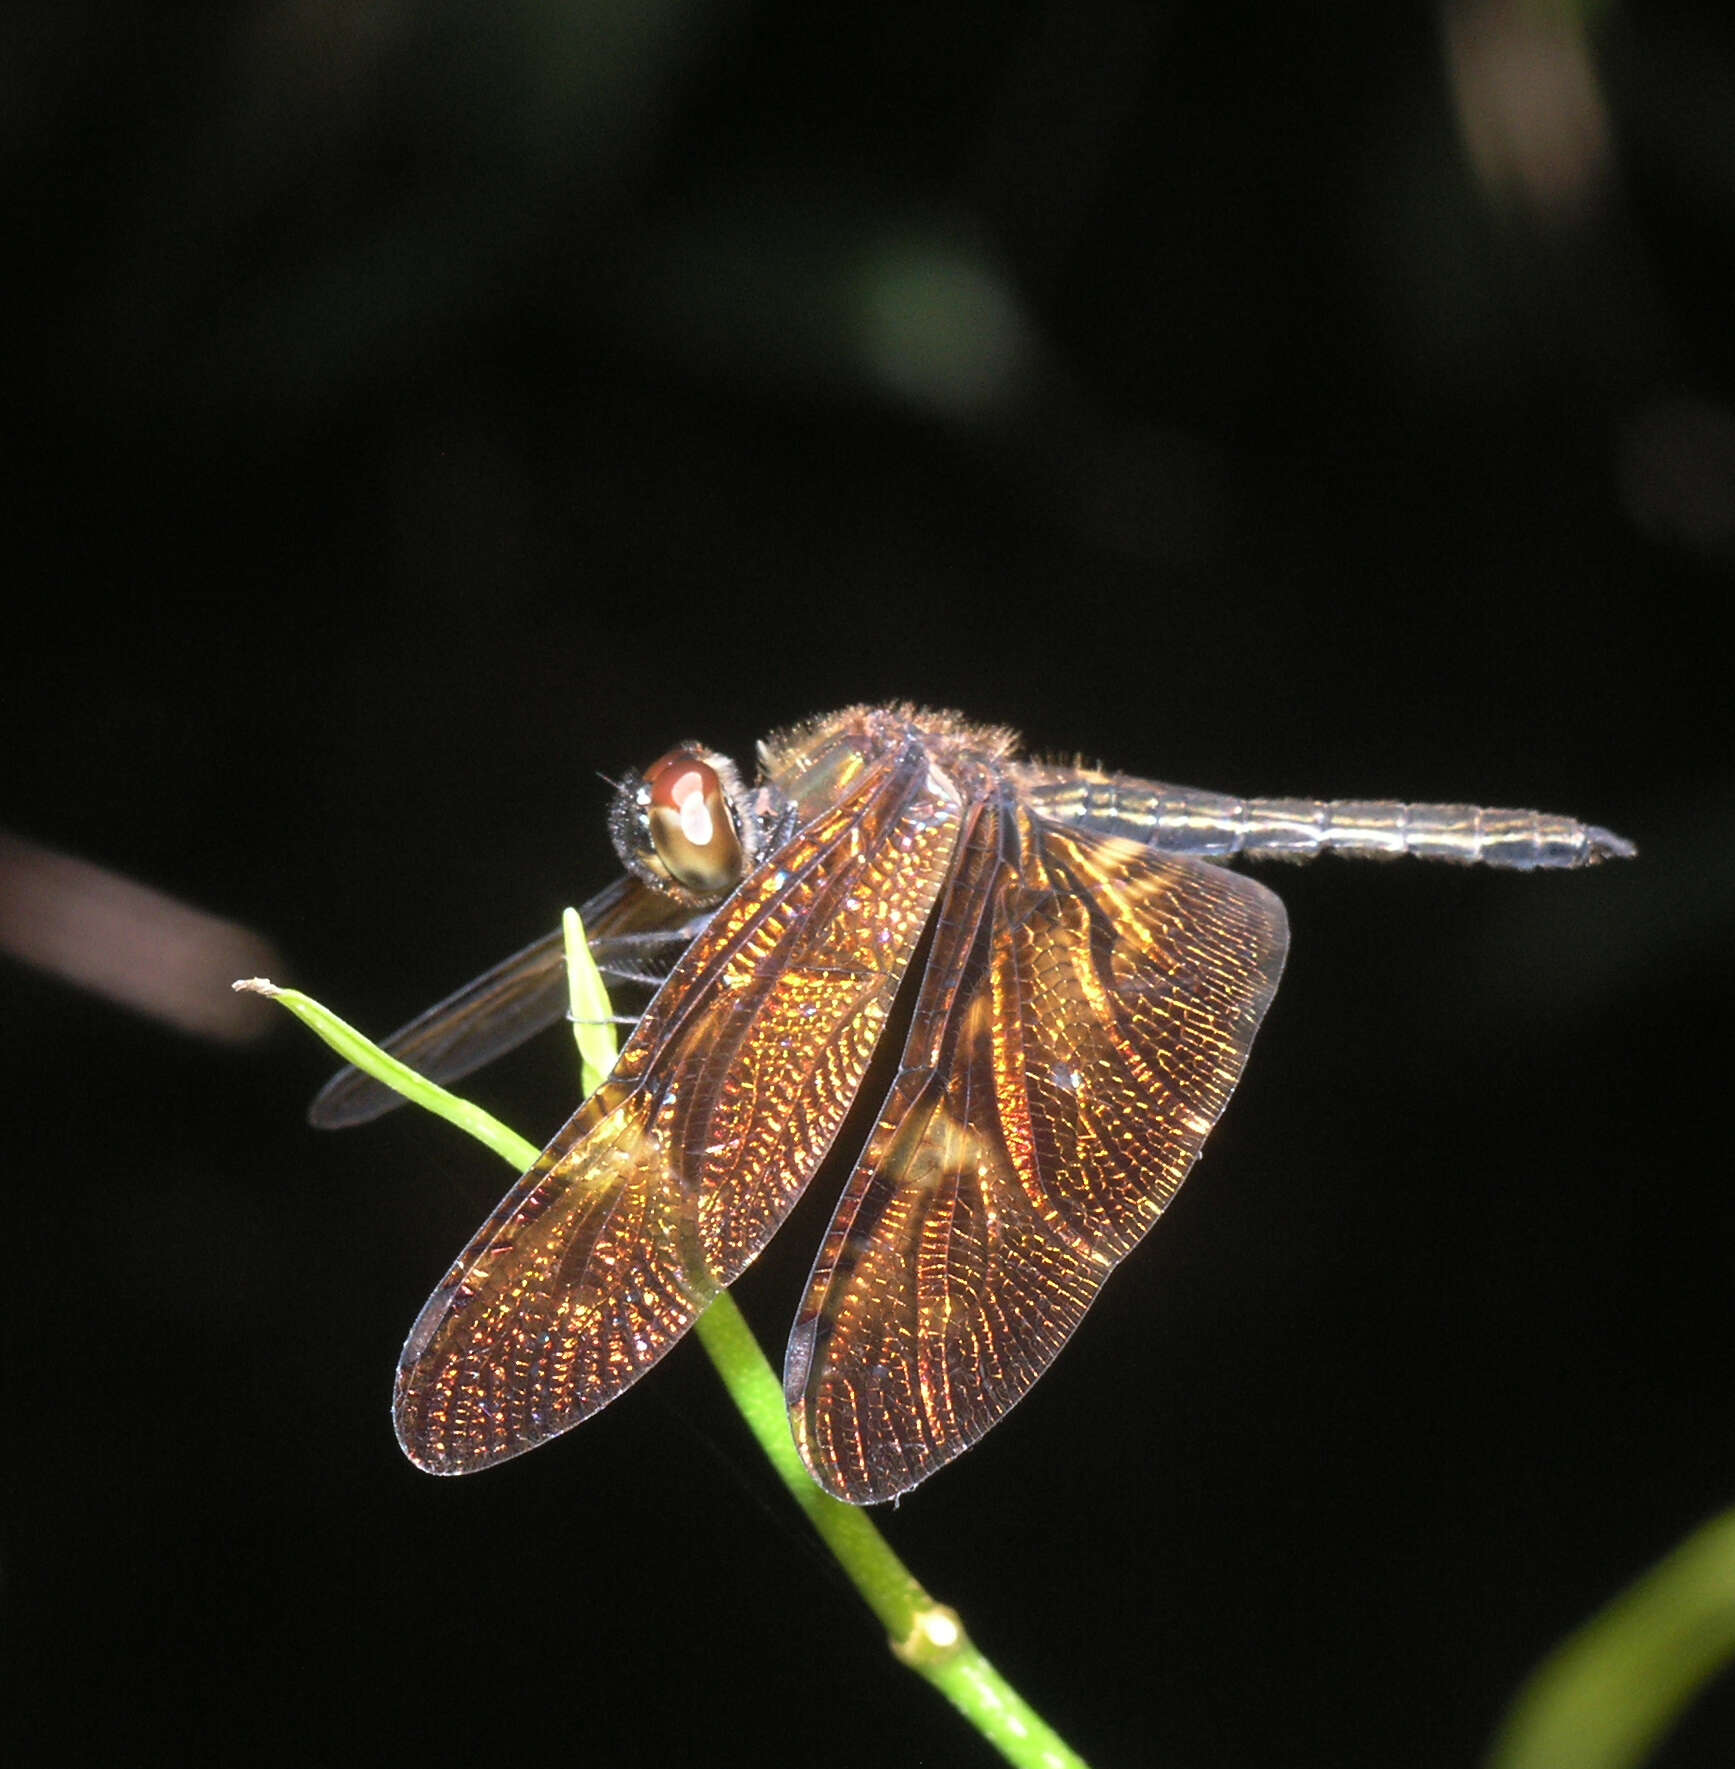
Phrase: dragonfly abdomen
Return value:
(1217, 826)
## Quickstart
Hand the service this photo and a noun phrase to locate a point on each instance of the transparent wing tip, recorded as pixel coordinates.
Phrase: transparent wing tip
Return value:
(350, 1098)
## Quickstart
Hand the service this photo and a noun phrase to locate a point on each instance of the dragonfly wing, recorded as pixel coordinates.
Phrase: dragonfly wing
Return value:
(677, 1171)
(514, 1001)
(1087, 1010)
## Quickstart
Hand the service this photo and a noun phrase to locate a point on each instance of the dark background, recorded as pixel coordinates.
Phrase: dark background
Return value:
(420, 407)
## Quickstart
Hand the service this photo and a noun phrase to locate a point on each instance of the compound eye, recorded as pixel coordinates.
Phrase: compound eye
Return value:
(690, 824)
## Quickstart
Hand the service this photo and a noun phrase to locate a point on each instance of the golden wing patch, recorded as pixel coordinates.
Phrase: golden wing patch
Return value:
(672, 1177)
(1086, 1012)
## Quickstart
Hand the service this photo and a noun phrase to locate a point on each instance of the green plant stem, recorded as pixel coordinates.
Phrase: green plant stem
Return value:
(367, 1056)
(1610, 1690)
(927, 1636)
(592, 1013)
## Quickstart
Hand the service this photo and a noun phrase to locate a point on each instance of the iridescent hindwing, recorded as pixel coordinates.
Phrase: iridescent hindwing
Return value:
(1086, 1011)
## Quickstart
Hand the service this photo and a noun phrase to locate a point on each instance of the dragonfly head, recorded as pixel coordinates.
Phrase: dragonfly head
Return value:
(687, 826)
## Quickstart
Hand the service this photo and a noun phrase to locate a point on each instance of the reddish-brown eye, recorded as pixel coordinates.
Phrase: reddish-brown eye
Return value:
(690, 824)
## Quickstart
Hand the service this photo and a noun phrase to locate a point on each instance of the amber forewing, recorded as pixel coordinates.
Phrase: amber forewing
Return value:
(1086, 1012)
(674, 1175)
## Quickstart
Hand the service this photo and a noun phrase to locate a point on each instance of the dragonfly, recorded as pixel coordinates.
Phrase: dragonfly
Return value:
(1089, 976)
